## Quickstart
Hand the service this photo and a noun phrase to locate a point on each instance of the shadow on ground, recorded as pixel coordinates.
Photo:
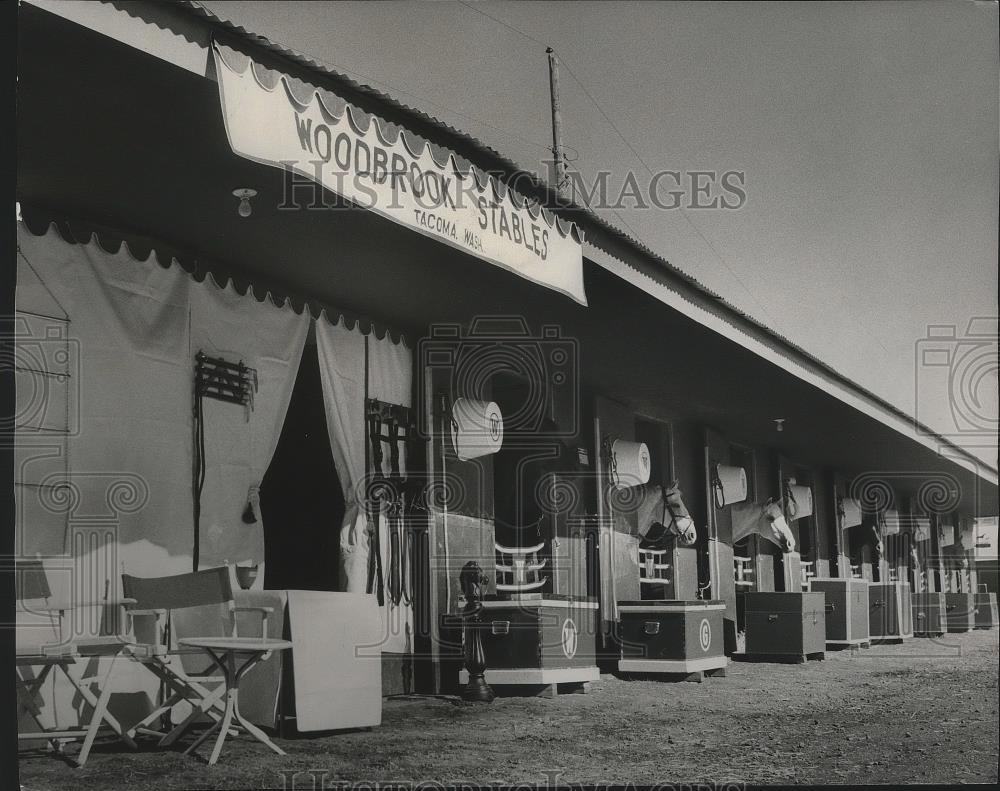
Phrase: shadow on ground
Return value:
(923, 712)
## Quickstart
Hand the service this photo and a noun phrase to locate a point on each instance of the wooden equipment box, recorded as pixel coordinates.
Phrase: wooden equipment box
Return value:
(668, 637)
(961, 611)
(890, 611)
(928, 614)
(846, 609)
(785, 626)
(536, 641)
(986, 610)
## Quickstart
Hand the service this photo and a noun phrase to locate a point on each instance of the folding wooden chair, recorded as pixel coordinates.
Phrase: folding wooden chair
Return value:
(45, 645)
(167, 610)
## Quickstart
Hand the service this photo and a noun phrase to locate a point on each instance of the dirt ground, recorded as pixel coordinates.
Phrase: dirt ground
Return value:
(922, 712)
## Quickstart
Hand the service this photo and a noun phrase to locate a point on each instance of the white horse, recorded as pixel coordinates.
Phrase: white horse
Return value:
(662, 514)
(767, 520)
(878, 530)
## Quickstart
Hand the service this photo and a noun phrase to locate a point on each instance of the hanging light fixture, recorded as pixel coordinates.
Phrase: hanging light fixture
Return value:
(779, 423)
(245, 194)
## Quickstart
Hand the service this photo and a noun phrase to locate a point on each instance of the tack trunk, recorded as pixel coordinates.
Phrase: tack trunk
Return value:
(986, 610)
(928, 614)
(533, 644)
(961, 610)
(785, 626)
(846, 609)
(890, 610)
(672, 637)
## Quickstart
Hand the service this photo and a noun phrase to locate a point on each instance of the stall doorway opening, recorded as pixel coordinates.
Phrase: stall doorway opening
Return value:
(808, 539)
(746, 551)
(301, 500)
(516, 510)
(656, 435)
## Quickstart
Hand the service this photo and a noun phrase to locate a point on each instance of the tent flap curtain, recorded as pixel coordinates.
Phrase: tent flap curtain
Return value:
(126, 449)
(341, 355)
(239, 442)
(133, 329)
(354, 367)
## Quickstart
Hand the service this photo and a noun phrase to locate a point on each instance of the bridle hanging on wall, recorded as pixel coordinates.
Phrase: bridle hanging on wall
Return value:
(718, 490)
(791, 506)
(395, 425)
(233, 383)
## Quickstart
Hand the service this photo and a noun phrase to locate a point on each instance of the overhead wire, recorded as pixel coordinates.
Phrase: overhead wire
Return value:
(631, 148)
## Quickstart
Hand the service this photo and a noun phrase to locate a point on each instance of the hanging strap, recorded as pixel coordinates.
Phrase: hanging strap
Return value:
(393, 427)
(373, 464)
(717, 488)
(394, 513)
(198, 476)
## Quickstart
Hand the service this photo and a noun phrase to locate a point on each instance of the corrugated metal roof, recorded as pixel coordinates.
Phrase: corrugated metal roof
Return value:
(487, 158)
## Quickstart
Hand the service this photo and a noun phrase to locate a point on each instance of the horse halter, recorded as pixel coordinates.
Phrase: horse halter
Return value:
(791, 505)
(668, 508)
(772, 520)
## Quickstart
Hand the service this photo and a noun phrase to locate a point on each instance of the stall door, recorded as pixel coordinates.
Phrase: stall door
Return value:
(825, 520)
(720, 538)
(803, 529)
(457, 528)
(656, 435)
(618, 546)
(841, 541)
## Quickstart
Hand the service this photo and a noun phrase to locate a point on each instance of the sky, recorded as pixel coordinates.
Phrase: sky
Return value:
(867, 132)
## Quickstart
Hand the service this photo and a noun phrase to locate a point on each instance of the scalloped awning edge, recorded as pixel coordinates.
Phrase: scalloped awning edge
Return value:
(112, 242)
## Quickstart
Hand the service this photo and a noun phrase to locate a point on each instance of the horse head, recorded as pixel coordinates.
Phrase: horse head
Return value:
(662, 513)
(681, 523)
(779, 527)
(877, 531)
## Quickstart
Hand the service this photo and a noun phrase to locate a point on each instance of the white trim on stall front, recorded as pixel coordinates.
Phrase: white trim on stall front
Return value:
(499, 604)
(532, 675)
(655, 609)
(673, 665)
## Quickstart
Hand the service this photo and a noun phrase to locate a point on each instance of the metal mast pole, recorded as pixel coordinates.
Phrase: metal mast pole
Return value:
(558, 159)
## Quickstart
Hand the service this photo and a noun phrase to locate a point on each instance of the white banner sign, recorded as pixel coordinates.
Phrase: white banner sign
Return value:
(271, 126)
